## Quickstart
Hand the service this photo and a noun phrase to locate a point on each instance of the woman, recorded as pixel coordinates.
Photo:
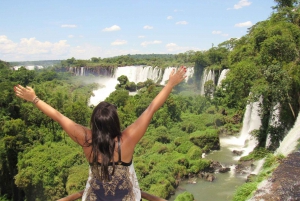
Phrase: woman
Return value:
(108, 150)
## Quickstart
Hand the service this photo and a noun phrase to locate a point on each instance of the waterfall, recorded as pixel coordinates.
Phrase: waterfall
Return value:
(207, 75)
(138, 74)
(82, 73)
(251, 121)
(222, 76)
(134, 74)
(259, 164)
(166, 75)
(290, 141)
(168, 70)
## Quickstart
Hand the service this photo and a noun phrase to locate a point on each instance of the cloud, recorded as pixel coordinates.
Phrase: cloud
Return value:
(141, 36)
(241, 4)
(146, 43)
(244, 24)
(70, 36)
(6, 46)
(112, 28)
(182, 22)
(174, 48)
(148, 27)
(216, 32)
(169, 17)
(31, 48)
(119, 42)
(68, 26)
(171, 46)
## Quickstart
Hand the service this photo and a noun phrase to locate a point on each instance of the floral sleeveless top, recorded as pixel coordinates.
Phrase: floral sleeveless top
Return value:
(122, 186)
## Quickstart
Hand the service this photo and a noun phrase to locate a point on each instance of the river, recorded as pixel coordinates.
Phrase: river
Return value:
(222, 188)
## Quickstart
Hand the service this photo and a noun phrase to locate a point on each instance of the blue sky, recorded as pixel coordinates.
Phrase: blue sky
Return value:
(61, 29)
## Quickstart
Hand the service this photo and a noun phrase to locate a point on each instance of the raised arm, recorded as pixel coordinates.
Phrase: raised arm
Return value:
(136, 130)
(75, 131)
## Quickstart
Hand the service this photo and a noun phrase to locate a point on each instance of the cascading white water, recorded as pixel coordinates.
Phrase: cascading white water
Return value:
(207, 75)
(134, 74)
(189, 74)
(222, 76)
(166, 75)
(259, 164)
(82, 73)
(290, 141)
(245, 142)
(138, 74)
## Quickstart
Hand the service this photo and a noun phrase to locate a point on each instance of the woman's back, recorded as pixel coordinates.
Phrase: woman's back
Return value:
(121, 185)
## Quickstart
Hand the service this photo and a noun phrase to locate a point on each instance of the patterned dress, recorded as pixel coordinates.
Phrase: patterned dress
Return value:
(122, 186)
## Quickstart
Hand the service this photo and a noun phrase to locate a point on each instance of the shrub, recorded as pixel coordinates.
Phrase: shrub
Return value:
(185, 196)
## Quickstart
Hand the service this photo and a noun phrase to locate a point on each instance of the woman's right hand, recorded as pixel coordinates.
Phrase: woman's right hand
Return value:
(177, 77)
(25, 93)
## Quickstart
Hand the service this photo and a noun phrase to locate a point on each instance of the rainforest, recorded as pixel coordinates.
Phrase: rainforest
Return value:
(38, 161)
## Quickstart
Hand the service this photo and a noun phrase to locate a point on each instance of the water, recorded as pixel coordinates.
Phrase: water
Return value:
(222, 188)
(222, 76)
(207, 76)
(290, 141)
(225, 184)
(134, 74)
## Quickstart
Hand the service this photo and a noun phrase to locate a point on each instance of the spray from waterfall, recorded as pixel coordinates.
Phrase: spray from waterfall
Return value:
(245, 142)
(290, 141)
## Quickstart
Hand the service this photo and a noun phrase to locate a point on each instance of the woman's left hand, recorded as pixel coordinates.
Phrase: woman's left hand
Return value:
(25, 93)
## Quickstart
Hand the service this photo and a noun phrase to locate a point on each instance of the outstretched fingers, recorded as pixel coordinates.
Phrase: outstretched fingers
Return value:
(24, 93)
(181, 71)
(18, 91)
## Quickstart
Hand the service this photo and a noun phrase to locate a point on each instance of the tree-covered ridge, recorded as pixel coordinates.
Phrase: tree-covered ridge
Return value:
(160, 60)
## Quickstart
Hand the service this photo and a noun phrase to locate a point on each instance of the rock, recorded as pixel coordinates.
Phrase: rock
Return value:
(224, 169)
(215, 165)
(244, 167)
(237, 153)
(207, 176)
(284, 183)
(210, 178)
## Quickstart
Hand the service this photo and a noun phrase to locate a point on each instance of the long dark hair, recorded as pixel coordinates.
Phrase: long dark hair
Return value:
(105, 127)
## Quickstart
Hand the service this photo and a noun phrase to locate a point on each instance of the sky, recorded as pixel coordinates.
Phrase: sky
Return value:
(32, 30)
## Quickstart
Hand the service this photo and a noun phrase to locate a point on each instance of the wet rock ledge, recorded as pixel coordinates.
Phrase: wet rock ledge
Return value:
(284, 183)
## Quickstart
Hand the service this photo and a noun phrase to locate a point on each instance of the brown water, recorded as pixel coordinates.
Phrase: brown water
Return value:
(222, 188)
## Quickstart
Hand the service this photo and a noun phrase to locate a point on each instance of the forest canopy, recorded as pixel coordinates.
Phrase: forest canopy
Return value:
(38, 160)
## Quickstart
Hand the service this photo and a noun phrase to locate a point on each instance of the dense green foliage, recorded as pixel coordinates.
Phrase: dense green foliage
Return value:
(39, 162)
(185, 196)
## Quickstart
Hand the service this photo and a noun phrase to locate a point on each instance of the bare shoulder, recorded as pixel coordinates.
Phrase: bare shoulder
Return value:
(83, 134)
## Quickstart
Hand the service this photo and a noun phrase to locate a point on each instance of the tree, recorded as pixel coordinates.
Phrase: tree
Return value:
(95, 59)
(13, 141)
(118, 97)
(285, 3)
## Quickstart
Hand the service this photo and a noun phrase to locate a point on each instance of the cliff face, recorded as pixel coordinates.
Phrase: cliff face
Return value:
(284, 185)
